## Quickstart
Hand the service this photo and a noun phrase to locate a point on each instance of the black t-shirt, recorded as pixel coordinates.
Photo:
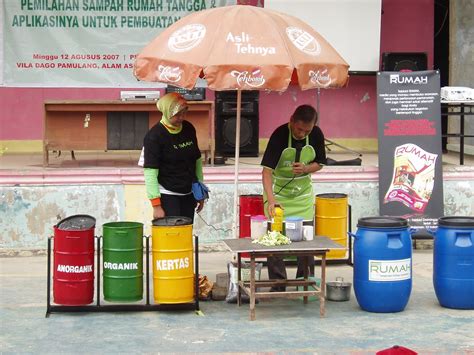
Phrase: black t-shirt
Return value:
(279, 141)
(174, 155)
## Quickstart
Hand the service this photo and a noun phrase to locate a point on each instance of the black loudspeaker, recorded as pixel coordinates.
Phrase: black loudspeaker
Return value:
(398, 61)
(226, 114)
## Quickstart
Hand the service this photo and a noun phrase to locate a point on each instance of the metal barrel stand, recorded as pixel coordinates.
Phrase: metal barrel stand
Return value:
(98, 307)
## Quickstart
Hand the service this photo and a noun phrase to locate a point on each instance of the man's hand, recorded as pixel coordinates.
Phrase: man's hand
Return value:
(299, 168)
(158, 212)
(271, 208)
(302, 168)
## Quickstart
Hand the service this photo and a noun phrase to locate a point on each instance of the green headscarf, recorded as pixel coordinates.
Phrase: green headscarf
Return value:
(170, 105)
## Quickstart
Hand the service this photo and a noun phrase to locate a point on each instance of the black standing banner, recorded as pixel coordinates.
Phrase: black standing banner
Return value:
(410, 152)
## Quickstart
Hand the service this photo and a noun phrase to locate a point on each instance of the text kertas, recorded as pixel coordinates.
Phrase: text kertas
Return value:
(172, 264)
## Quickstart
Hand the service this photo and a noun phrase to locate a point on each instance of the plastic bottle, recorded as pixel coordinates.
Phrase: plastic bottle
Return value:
(277, 224)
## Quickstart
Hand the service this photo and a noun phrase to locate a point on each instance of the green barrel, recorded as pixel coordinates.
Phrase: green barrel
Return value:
(123, 261)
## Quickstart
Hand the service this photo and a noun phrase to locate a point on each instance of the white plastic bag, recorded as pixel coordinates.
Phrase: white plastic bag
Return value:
(233, 288)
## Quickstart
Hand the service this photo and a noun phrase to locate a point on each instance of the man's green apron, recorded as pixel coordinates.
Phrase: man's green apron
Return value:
(293, 192)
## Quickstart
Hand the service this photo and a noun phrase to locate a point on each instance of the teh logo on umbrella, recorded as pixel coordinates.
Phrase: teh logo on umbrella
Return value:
(303, 41)
(167, 73)
(186, 38)
(253, 79)
(320, 77)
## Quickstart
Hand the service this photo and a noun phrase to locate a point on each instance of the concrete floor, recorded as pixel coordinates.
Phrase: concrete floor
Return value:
(282, 326)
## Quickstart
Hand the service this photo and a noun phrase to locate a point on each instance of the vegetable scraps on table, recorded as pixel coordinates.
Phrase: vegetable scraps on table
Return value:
(272, 238)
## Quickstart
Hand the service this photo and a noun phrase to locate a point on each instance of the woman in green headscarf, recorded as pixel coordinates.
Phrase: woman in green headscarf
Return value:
(172, 161)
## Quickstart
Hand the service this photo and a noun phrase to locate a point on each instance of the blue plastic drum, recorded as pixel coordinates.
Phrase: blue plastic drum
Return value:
(382, 264)
(453, 262)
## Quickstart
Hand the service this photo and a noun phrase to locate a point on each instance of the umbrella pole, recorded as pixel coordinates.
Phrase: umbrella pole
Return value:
(236, 170)
(317, 104)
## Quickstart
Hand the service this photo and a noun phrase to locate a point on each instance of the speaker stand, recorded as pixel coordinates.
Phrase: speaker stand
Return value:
(328, 143)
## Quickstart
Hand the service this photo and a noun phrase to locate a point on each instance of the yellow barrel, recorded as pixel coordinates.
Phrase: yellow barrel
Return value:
(173, 264)
(331, 220)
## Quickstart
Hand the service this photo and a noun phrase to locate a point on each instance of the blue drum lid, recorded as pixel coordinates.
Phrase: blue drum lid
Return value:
(382, 222)
(172, 221)
(456, 221)
(77, 222)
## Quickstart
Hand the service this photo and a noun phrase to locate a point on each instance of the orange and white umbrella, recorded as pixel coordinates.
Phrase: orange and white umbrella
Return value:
(241, 47)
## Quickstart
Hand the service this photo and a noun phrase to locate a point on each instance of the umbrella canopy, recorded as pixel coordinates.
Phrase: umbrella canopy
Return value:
(241, 47)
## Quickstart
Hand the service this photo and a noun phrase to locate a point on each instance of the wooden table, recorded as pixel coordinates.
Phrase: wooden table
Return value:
(84, 124)
(317, 247)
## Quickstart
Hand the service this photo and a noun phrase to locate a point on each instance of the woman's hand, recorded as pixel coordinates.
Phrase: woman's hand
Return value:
(158, 212)
(200, 206)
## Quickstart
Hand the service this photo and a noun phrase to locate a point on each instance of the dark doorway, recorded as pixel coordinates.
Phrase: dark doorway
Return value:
(126, 130)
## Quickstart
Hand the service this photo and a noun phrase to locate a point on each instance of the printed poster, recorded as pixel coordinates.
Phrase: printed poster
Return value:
(84, 43)
(410, 151)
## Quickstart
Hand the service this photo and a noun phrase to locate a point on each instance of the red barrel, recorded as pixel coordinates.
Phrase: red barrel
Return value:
(73, 273)
(249, 205)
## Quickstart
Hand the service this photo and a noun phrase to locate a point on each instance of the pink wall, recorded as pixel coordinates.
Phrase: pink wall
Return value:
(407, 26)
(343, 113)
(21, 113)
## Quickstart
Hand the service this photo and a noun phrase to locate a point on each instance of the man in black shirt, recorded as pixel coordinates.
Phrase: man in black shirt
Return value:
(295, 151)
